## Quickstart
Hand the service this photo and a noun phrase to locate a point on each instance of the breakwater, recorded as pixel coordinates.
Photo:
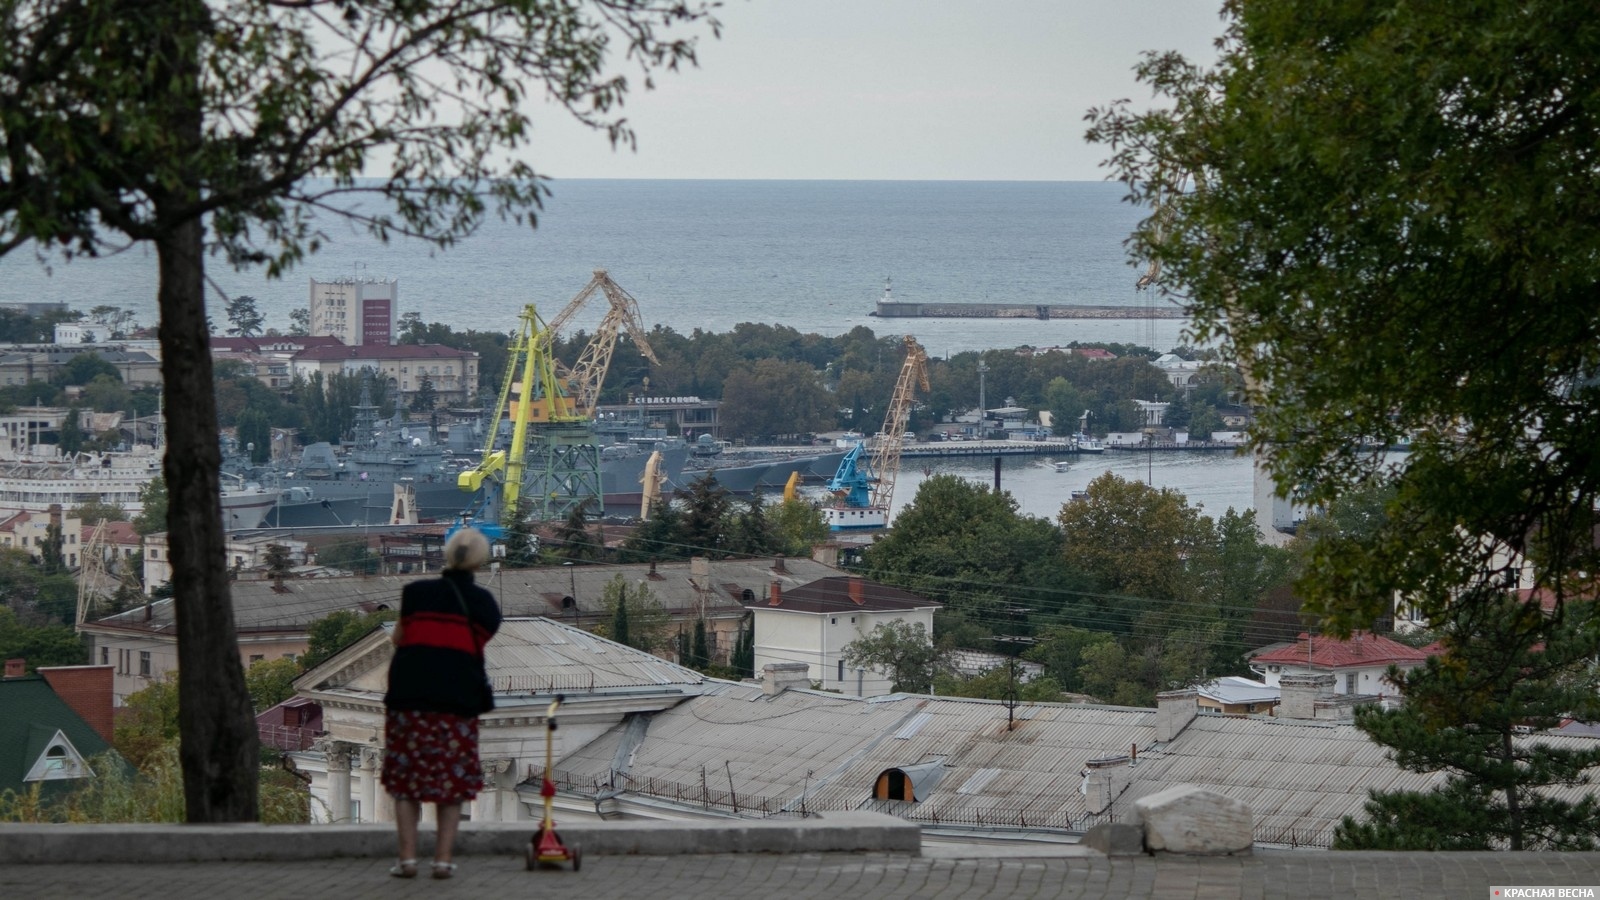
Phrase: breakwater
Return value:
(899, 309)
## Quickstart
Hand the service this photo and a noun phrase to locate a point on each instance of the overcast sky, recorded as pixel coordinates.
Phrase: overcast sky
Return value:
(890, 89)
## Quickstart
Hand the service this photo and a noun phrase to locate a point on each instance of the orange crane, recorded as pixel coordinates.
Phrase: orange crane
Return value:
(863, 491)
(582, 383)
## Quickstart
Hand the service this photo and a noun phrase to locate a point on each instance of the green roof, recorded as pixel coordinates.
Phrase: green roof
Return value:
(30, 716)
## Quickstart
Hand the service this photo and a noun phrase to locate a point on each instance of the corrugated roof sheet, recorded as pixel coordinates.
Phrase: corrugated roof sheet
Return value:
(1300, 777)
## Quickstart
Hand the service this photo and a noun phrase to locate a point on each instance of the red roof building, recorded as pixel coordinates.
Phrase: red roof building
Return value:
(1359, 664)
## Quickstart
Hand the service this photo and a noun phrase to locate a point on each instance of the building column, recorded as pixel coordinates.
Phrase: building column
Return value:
(337, 755)
(492, 803)
(371, 768)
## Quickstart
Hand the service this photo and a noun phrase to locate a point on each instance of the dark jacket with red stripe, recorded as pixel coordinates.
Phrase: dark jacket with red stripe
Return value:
(438, 664)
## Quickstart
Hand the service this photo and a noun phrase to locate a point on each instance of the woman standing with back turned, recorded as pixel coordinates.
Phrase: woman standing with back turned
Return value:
(437, 690)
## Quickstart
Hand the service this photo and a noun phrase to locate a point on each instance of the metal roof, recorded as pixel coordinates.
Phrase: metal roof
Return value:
(714, 585)
(1300, 777)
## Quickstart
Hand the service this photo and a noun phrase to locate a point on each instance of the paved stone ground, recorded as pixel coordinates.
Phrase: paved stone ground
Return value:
(944, 872)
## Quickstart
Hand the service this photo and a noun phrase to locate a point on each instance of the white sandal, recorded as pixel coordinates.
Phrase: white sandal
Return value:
(443, 869)
(405, 868)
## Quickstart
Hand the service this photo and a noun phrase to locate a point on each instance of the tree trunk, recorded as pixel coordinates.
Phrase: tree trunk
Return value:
(219, 746)
(216, 722)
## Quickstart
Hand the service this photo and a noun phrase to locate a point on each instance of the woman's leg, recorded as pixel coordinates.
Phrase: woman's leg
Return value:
(406, 814)
(449, 821)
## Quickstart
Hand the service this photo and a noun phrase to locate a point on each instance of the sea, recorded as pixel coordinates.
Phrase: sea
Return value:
(708, 255)
(813, 255)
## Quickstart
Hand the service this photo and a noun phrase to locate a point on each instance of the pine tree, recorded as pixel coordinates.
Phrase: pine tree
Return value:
(619, 621)
(1507, 670)
(699, 655)
(743, 658)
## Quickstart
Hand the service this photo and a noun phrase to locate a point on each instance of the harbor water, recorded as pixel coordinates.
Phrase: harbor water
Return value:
(1211, 479)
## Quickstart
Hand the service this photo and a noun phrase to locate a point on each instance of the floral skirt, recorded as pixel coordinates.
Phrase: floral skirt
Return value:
(431, 757)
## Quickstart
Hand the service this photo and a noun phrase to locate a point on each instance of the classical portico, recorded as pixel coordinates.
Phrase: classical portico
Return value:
(529, 661)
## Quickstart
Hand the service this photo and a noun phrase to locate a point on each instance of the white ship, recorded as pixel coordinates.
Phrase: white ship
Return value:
(37, 481)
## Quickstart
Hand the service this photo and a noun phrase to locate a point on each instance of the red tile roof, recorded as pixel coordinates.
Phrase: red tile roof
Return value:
(1361, 650)
(842, 593)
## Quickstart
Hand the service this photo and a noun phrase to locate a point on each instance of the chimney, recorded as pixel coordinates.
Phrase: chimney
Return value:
(777, 564)
(856, 591)
(775, 598)
(1174, 711)
(87, 689)
(779, 677)
(1104, 779)
(16, 668)
(1300, 693)
(699, 567)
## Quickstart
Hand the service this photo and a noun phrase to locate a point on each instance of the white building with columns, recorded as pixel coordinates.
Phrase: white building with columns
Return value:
(530, 661)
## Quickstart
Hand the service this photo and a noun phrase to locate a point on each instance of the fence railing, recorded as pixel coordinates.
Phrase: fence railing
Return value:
(285, 737)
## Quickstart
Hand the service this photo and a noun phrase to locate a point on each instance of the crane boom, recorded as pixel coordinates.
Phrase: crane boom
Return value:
(886, 455)
(530, 375)
(583, 381)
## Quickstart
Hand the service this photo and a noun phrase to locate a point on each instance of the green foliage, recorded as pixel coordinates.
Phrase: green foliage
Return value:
(337, 630)
(153, 793)
(271, 681)
(742, 660)
(94, 511)
(152, 515)
(350, 554)
(797, 527)
(1426, 272)
(40, 645)
(572, 538)
(149, 722)
(83, 368)
(996, 684)
(775, 397)
(633, 616)
(243, 315)
(903, 651)
(704, 527)
(71, 437)
(278, 561)
(255, 435)
(657, 538)
(1506, 668)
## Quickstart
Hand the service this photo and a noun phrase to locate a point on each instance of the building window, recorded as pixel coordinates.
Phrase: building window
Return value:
(1350, 683)
(144, 663)
(256, 657)
(833, 620)
(841, 670)
(105, 656)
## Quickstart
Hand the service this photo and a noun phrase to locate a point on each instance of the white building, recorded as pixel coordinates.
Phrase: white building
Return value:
(529, 661)
(1359, 665)
(1181, 372)
(813, 623)
(82, 333)
(358, 311)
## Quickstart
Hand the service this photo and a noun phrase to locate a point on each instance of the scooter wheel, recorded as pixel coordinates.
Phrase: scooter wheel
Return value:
(577, 859)
(532, 858)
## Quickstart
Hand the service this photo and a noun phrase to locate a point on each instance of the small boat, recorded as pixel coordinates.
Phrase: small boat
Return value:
(1061, 466)
(1087, 444)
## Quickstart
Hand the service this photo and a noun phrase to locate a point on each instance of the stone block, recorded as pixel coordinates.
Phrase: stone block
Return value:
(1192, 820)
(1115, 839)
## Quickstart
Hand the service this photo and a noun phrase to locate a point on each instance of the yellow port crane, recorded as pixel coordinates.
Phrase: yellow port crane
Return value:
(539, 397)
(886, 455)
(582, 383)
